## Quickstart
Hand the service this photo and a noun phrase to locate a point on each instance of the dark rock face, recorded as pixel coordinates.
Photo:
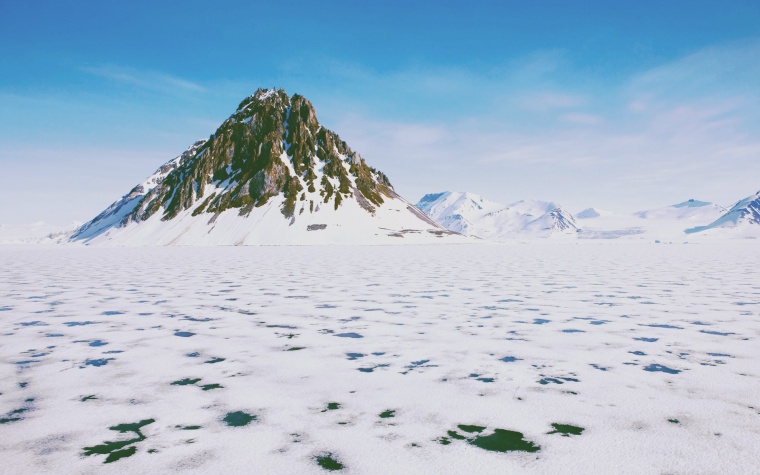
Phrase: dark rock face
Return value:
(272, 145)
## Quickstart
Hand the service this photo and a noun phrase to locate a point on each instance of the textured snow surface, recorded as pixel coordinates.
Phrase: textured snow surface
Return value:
(651, 349)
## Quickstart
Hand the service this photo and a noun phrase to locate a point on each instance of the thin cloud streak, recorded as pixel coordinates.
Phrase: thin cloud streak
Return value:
(151, 80)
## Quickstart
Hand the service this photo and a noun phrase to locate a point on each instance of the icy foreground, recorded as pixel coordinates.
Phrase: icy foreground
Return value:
(539, 358)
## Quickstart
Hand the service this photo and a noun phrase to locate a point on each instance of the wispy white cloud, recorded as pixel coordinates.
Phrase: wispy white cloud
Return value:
(152, 80)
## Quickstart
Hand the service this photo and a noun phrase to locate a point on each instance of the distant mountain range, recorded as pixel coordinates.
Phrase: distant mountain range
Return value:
(270, 174)
(472, 215)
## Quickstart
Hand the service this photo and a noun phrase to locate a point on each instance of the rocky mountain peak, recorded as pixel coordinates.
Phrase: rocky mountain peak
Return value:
(273, 146)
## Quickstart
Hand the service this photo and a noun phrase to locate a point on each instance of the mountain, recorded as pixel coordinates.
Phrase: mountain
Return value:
(591, 213)
(665, 223)
(690, 210)
(472, 215)
(35, 233)
(270, 174)
(742, 220)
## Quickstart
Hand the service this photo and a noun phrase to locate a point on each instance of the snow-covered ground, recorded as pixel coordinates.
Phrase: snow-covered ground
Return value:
(588, 357)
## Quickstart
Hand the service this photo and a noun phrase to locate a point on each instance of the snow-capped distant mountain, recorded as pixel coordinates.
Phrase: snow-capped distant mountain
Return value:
(742, 220)
(591, 213)
(270, 174)
(472, 215)
(668, 222)
(691, 210)
(34, 233)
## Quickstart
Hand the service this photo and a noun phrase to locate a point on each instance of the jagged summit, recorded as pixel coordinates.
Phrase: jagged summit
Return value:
(270, 153)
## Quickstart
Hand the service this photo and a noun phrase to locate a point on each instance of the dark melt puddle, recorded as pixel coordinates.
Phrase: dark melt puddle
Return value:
(658, 367)
(184, 334)
(329, 462)
(637, 353)
(123, 448)
(573, 330)
(354, 356)
(500, 440)
(558, 380)
(370, 370)
(193, 319)
(566, 430)
(238, 419)
(348, 335)
(599, 367)
(97, 362)
(387, 414)
(418, 364)
(215, 360)
(648, 340)
(296, 348)
(478, 377)
(15, 414)
(185, 381)
(208, 387)
(674, 421)
(331, 406)
(711, 332)
(91, 397)
(188, 427)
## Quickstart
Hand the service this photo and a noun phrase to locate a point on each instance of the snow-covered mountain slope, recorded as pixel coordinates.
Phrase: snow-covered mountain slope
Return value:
(270, 174)
(688, 211)
(472, 215)
(742, 220)
(665, 223)
(591, 213)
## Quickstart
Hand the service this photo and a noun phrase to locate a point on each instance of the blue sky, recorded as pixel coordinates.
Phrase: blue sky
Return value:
(617, 105)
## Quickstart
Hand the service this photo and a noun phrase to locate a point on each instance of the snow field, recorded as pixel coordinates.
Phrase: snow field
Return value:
(650, 349)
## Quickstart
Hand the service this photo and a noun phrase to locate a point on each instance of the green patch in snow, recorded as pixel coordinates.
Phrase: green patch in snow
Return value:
(123, 448)
(566, 430)
(328, 462)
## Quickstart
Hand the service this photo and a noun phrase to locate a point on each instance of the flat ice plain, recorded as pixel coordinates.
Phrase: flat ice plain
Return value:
(383, 360)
